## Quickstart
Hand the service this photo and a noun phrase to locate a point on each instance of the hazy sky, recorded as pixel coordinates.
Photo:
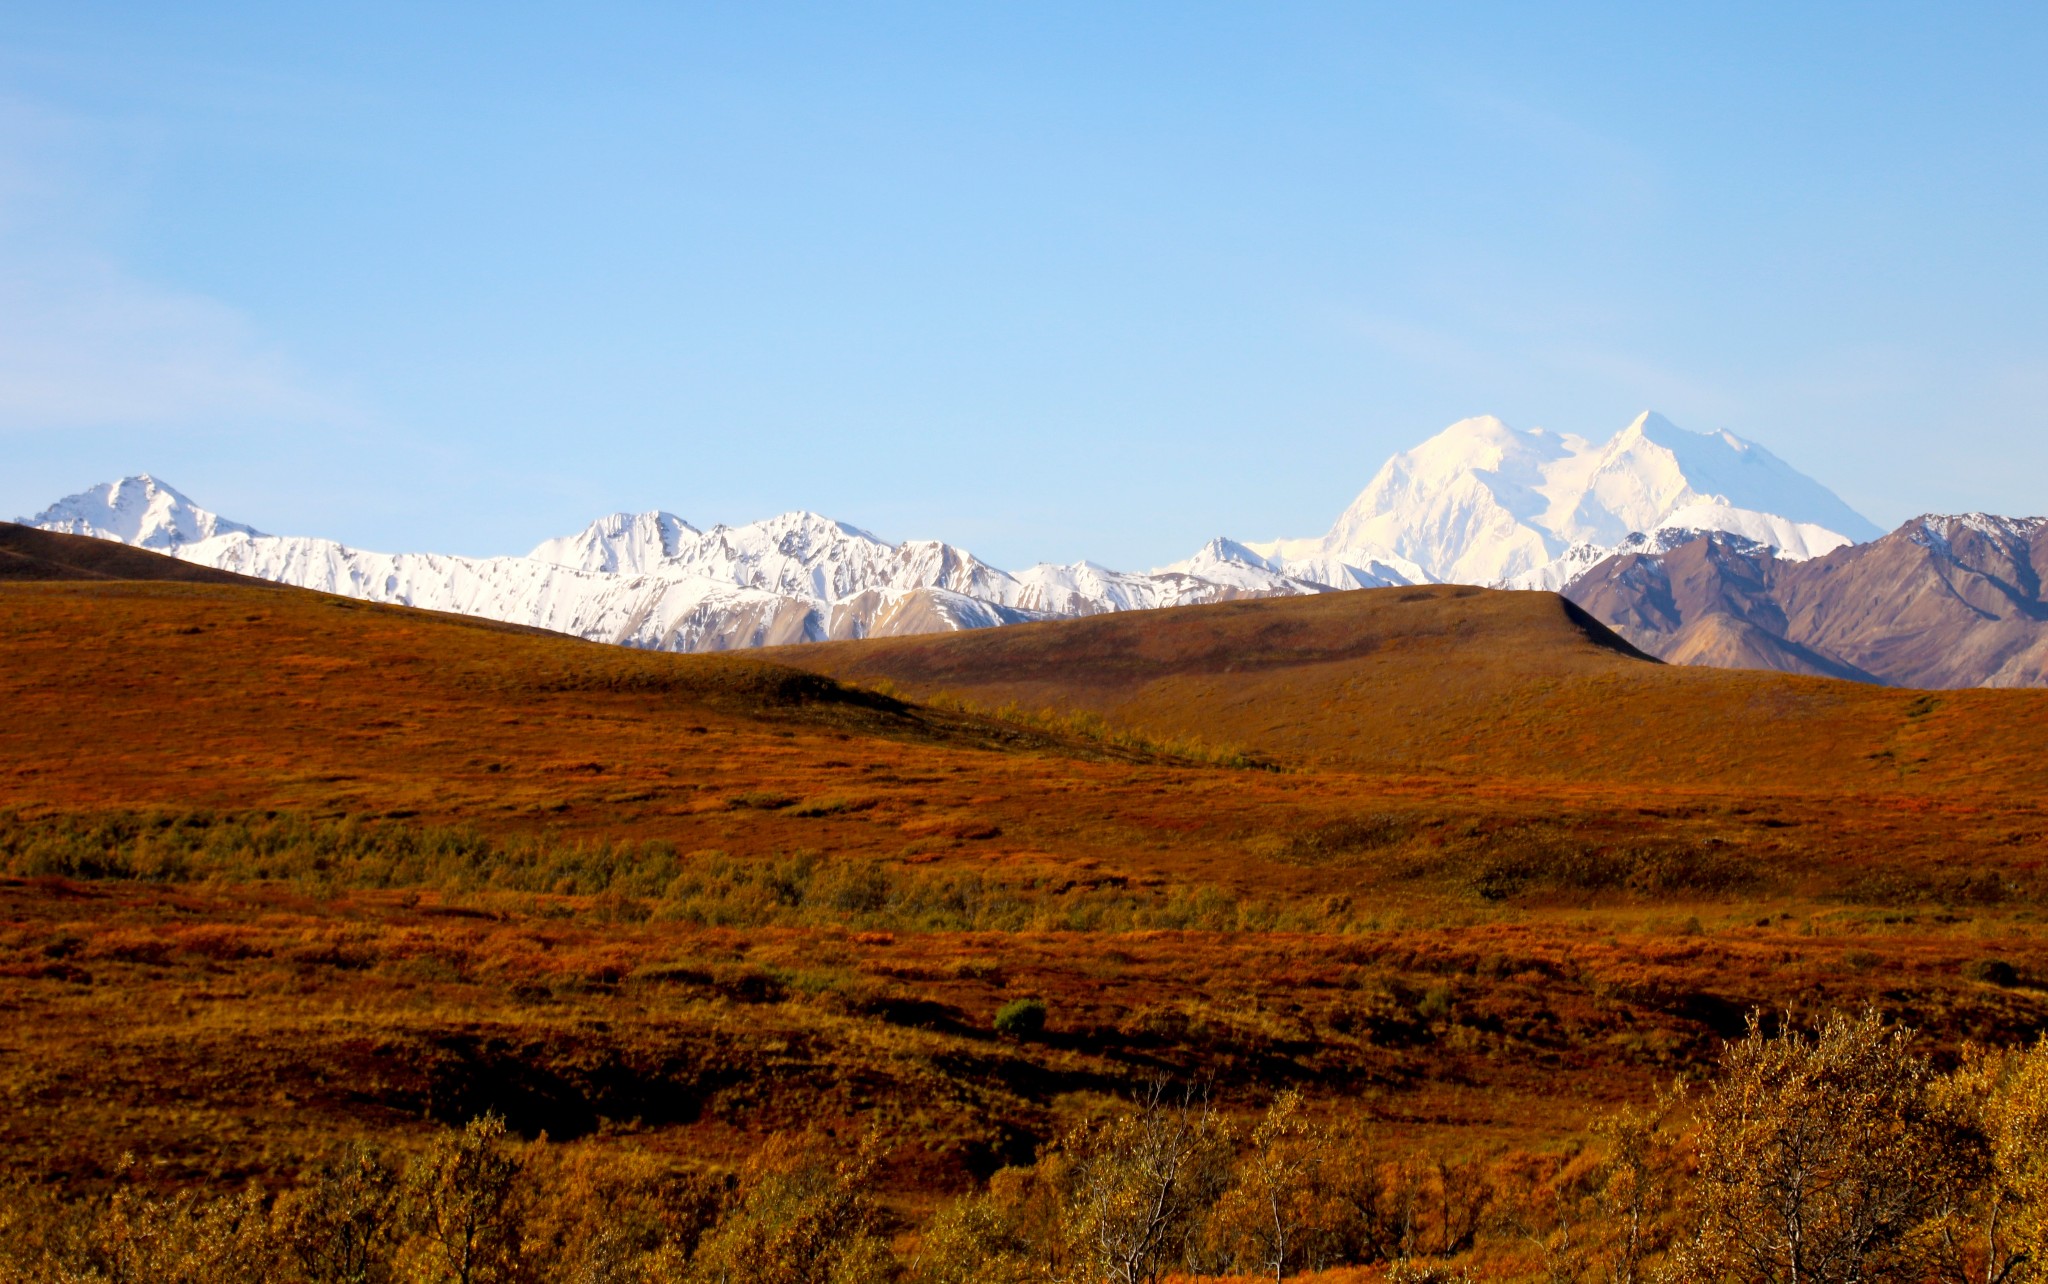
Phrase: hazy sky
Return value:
(1046, 280)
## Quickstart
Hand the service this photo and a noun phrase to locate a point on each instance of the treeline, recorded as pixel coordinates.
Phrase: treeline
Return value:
(1838, 1156)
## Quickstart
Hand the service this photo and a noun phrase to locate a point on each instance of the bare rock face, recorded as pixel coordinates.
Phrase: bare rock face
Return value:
(1940, 602)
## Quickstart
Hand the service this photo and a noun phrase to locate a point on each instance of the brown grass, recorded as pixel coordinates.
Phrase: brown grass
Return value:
(1466, 682)
(277, 869)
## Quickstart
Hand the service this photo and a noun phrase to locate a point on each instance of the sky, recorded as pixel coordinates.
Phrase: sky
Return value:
(1046, 280)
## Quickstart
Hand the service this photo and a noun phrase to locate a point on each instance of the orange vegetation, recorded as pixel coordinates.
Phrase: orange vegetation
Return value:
(282, 868)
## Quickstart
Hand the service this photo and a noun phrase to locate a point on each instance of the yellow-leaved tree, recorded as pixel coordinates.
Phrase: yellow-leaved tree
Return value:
(463, 1195)
(800, 1216)
(1277, 1209)
(1143, 1180)
(1990, 1223)
(1819, 1158)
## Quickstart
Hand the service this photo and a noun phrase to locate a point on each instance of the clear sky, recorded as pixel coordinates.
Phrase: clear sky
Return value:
(1046, 280)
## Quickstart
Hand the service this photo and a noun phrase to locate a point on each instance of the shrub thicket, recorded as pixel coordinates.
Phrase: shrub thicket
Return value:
(1829, 1157)
(1024, 1018)
(629, 880)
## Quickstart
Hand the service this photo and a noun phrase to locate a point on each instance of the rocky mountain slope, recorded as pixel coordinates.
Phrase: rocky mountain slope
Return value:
(1949, 601)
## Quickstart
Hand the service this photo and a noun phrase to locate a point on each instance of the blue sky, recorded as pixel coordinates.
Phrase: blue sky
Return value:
(1047, 280)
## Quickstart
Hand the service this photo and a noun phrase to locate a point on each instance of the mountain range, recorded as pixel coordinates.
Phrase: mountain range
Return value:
(1698, 547)
(1940, 602)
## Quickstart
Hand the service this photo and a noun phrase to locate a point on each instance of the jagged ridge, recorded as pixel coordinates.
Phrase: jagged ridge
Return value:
(1479, 502)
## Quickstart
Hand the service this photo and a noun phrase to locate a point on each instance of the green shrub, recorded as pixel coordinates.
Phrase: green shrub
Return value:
(1024, 1018)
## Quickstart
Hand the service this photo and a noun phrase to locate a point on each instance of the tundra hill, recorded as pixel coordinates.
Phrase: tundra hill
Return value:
(279, 869)
(1493, 707)
(1464, 681)
(27, 553)
(141, 693)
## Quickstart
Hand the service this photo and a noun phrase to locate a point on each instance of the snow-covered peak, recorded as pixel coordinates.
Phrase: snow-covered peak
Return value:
(1562, 573)
(1485, 503)
(929, 563)
(1485, 443)
(799, 554)
(138, 510)
(1465, 505)
(1081, 588)
(620, 544)
(1084, 588)
(1219, 552)
(1653, 468)
(1225, 561)
(798, 531)
(1792, 541)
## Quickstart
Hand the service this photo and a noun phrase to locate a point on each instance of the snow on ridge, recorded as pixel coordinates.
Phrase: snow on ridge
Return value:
(653, 580)
(1480, 502)
(1579, 559)
(1085, 588)
(619, 543)
(1938, 530)
(138, 510)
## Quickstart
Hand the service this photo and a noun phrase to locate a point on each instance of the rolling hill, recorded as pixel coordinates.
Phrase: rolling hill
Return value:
(27, 553)
(1442, 679)
(280, 869)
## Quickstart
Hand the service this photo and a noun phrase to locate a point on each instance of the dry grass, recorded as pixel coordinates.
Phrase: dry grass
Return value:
(1467, 682)
(280, 869)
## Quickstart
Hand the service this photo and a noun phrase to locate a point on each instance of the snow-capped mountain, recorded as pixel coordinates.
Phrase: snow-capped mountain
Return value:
(798, 555)
(1483, 503)
(1227, 561)
(653, 580)
(1478, 503)
(621, 544)
(1084, 588)
(1559, 574)
(138, 510)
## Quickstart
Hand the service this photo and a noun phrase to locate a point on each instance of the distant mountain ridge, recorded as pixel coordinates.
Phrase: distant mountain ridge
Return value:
(1944, 601)
(653, 580)
(1479, 502)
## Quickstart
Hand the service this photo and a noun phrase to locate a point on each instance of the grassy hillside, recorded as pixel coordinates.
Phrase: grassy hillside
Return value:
(278, 869)
(1462, 681)
(29, 554)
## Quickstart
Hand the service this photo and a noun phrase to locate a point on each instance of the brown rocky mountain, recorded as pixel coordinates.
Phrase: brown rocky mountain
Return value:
(1940, 602)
